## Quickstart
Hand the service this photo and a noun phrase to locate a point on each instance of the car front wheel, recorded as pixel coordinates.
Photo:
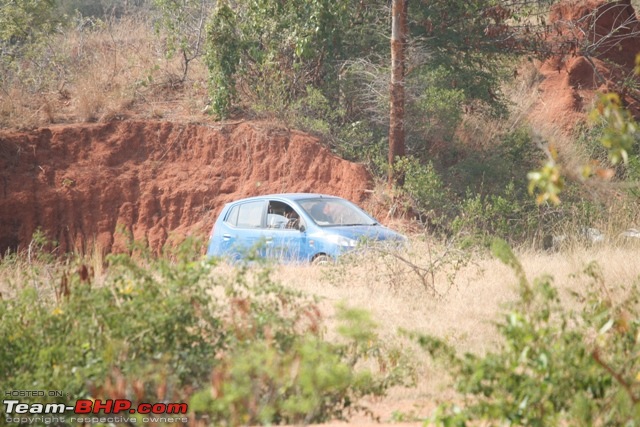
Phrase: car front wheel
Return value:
(321, 259)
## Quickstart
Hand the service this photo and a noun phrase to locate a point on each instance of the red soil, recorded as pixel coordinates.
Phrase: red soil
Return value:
(573, 78)
(157, 180)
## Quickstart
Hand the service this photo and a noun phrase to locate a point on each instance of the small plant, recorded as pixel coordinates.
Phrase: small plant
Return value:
(422, 264)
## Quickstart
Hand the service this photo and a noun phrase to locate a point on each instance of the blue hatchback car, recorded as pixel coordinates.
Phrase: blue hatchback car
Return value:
(294, 227)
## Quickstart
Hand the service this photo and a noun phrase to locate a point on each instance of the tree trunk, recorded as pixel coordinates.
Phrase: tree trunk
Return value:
(396, 119)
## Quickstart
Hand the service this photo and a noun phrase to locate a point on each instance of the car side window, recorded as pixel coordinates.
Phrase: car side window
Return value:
(281, 215)
(250, 215)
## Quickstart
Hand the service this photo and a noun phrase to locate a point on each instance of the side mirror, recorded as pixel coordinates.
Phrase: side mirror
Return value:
(301, 228)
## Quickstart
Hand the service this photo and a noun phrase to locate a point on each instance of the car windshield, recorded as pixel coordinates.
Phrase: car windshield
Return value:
(332, 212)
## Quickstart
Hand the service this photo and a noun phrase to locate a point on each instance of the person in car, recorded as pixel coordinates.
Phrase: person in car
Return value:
(325, 213)
(318, 213)
(294, 220)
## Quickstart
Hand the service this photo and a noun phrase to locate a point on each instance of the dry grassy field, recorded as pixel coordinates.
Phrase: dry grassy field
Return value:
(473, 297)
(428, 289)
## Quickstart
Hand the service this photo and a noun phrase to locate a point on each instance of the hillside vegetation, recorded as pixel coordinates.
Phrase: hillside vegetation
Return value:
(323, 69)
(457, 328)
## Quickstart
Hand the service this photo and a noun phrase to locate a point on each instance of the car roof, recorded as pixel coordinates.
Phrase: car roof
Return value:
(288, 196)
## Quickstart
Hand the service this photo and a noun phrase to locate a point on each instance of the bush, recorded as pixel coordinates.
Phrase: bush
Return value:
(67, 332)
(423, 186)
(309, 381)
(507, 215)
(555, 366)
(177, 329)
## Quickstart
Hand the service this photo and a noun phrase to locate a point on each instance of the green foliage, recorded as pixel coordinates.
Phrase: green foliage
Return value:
(488, 168)
(555, 366)
(222, 57)
(308, 381)
(457, 37)
(481, 195)
(323, 66)
(617, 135)
(620, 132)
(68, 334)
(24, 21)
(355, 141)
(423, 186)
(31, 59)
(507, 215)
(25, 27)
(487, 195)
(175, 328)
(547, 182)
(313, 113)
(262, 385)
(590, 139)
(283, 47)
(434, 109)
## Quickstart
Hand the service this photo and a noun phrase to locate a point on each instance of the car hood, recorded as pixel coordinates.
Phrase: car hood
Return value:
(366, 232)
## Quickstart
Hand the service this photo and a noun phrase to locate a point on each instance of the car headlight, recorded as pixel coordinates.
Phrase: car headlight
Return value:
(343, 241)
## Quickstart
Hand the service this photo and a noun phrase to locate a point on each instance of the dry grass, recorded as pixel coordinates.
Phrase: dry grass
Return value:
(473, 292)
(43, 269)
(464, 317)
(98, 72)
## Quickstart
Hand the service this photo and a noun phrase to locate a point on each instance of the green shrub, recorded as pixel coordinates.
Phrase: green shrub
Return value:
(487, 169)
(436, 110)
(423, 186)
(169, 328)
(222, 61)
(312, 113)
(309, 381)
(66, 333)
(555, 366)
(590, 139)
(507, 215)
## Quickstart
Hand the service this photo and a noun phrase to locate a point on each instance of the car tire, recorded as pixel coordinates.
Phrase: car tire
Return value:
(321, 259)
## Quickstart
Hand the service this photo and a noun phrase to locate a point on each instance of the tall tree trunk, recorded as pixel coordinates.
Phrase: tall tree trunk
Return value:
(396, 119)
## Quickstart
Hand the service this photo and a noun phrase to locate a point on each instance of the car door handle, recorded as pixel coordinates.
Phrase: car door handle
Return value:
(226, 236)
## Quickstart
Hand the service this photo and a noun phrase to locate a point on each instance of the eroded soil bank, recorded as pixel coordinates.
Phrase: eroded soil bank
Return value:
(156, 180)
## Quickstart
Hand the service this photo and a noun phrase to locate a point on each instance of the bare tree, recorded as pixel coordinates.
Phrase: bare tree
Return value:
(396, 117)
(183, 25)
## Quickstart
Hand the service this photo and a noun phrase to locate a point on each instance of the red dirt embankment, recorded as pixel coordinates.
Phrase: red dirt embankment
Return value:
(79, 183)
(597, 42)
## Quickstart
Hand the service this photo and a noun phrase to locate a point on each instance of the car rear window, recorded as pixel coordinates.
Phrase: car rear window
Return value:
(232, 215)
